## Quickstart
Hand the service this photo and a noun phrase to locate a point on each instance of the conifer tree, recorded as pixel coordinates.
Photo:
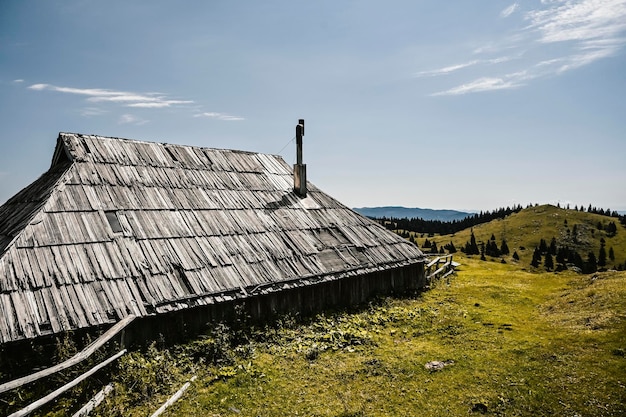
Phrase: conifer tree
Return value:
(553, 247)
(611, 254)
(611, 229)
(561, 255)
(450, 247)
(591, 265)
(515, 256)
(536, 258)
(504, 248)
(543, 246)
(548, 262)
(602, 256)
(578, 260)
(473, 246)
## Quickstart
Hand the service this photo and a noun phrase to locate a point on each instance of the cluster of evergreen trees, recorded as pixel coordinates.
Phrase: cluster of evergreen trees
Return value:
(559, 257)
(551, 256)
(432, 247)
(432, 227)
(486, 249)
(602, 212)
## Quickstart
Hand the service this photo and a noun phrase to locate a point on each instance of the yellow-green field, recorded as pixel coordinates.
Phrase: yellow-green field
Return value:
(515, 343)
(511, 340)
(524, 230)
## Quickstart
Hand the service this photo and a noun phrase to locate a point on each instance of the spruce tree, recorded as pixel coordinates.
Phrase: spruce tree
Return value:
(548, 263)
(591, 265)
(450, 247)
(473, 246)
(504, 248)
(515, 256)
(553, 247)
(611, 254)
(543, 246)
(602, 256)
(536, 258)
(561, 255)
(578, 260)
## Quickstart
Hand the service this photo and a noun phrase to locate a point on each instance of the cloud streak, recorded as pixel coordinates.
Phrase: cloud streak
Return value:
(556, 37)
(219, 116)
(127, 99)
(509, 10)
(131, 119)
(456, 67)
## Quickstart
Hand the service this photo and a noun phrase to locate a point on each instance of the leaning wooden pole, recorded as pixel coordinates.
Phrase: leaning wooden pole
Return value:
(79, 357)
(174, 398)
(41, 402)
(94, 402)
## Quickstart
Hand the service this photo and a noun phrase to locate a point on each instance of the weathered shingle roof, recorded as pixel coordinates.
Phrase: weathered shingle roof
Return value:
(119, 227)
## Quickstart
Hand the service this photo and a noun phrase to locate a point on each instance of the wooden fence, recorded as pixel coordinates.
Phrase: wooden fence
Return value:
(440, 267)
(79, 357)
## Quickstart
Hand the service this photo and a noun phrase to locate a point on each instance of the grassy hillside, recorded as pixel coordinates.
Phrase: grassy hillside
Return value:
(510, 341)
(524, 230)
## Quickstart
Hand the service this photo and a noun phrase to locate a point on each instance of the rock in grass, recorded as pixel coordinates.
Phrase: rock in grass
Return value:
(434, 366)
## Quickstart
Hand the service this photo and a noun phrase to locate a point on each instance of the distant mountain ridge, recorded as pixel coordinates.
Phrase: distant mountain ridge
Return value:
(412, 213)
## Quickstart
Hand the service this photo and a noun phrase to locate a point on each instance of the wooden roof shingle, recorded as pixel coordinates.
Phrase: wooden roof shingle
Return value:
(118, 227)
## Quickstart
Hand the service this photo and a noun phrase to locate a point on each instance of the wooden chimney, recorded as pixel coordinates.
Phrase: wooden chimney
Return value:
(299, 169)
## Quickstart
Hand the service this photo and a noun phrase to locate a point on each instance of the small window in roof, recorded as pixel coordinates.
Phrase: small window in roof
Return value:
(114, 221)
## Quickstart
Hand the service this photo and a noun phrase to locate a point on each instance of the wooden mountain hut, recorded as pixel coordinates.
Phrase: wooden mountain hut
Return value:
(118, 227)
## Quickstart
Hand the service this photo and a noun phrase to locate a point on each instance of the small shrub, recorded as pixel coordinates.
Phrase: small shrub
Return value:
(144, 375)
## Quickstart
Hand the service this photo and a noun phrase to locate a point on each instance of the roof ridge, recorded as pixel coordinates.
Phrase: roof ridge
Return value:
(152, 142)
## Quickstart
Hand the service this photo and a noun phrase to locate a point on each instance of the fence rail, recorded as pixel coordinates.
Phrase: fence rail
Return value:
(440, 267)
(79, 357)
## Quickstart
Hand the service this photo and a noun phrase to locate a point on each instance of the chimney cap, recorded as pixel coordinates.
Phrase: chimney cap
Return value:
(301, 123)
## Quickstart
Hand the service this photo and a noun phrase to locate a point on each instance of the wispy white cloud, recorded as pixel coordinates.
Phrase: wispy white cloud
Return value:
(131, 119)
(126, 98)
(18, 81)
(556, 37)
(129, 99)
(509, 10)
(219, 116)
(579, 20)
(457, 67)
(445, 70)
(482, 84)
(92, 111)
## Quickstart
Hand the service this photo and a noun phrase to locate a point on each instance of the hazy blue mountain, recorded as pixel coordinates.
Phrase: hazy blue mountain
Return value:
(412, 213)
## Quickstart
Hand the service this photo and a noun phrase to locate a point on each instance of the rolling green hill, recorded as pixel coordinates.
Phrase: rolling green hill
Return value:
(523, 231)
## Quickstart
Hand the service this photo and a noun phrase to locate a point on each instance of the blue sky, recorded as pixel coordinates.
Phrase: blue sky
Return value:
(457, 104)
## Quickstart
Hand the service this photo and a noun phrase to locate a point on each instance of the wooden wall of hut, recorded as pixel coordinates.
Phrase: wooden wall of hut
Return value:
(304, 301)
(21, 357)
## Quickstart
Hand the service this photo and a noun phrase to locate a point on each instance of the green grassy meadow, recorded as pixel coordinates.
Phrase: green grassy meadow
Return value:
(511, 340)
(515, 343)
(524, 230)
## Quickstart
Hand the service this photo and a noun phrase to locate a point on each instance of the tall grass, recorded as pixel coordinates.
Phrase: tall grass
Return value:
(514, 344)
